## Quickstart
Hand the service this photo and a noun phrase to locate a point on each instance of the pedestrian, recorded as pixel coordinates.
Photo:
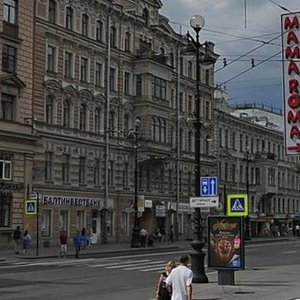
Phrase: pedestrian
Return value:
(89, 237)
(63, 241)
(143, 235)
(83, 238)
(26, 241)
(163, 292)
(171, 235)
(17, 239)
(77, 241)
(180, 280)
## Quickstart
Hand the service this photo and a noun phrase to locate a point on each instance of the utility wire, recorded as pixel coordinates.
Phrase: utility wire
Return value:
(245, 71)
(250, 51)
(280, 6)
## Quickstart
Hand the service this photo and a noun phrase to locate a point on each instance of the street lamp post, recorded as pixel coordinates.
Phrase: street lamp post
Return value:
(135, 239)
(197, 256)
(247, 219)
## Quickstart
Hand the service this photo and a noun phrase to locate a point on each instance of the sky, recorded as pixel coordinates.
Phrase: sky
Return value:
(237, 27)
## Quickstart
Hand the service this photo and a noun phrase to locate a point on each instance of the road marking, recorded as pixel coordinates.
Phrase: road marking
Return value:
(289, 252)
(118, 263)
(128, 264)
(159, 264)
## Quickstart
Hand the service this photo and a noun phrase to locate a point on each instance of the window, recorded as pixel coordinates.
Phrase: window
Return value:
(48, 165)
(84, 69)
(227, 138)
(9, 57)
(7, 103)
(80, 219)
(126, 83)
(46, 223)
(233, 172)
(99, 31)
(69, 18)
(181, 101)
(190, 69)
(111, 174)
(257, 175)
(82, 117)
(98, 74)
(126, 125)
(207, 110)
(97, 167)
(64, 220)
(5, 166)
(159, 88)
(125, 176)
(207, 77)
(52, 11)
(51, 58)
(49, 110)
(271, 177)
(127, 41)
(241, 142)
(85, 25)
(111, 123)
(190, 141)
(65, 166)
(138, 85)
(81, 170)
(68, 64)
(66, 113)
(233, 140)
(113, 37)
(112, 79)
(10, 11)
(97, 120)
(190, 104)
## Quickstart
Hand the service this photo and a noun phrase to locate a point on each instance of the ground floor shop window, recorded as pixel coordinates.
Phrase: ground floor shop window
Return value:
(80, 219)
(5, 209)
(46, 223)
(109, 223)
(64, 220)
(125, 222)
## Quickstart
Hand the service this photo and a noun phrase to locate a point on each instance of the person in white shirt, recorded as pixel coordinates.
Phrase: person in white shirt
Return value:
(180, 280)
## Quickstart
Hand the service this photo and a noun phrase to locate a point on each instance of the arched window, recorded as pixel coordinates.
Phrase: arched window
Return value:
(52, 11)
(69, 18)
(99, 31)
(97, 120)
(82, 117)
(85, 25)
(113, 37)
(49, 109)
(66, 114)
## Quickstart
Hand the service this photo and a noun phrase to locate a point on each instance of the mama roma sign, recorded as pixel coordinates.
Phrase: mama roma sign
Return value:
(290, 26)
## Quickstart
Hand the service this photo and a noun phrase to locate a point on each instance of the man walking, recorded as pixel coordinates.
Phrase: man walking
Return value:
(63, 239)
(180, 280)
(17, 239)
(77, 241)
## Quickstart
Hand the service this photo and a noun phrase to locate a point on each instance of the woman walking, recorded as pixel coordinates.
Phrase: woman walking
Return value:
(26, 241)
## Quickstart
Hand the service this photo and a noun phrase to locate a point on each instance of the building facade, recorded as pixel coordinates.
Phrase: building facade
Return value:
(251, 153)
(17, 136)
(99, 67)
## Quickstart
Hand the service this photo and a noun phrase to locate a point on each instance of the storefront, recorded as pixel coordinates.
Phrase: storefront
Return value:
(70, 213)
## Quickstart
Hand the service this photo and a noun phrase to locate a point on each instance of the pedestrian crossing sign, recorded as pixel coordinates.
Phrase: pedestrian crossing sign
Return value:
(30, 207)
(237, 205)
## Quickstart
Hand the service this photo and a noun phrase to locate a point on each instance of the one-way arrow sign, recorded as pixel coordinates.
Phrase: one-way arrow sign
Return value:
(204, 202)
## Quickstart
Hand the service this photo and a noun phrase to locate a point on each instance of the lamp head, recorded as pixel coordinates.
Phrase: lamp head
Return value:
(197, 22)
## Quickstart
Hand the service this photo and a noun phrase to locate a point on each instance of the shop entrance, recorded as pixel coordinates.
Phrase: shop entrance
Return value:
(96, 227)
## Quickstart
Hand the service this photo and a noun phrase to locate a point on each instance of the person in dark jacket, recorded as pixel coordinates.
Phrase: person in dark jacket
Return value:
(77, 241)
(17, 239)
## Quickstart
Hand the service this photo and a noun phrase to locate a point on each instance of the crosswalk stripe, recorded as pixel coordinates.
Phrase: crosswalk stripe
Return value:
(117, 263)
(161, 264)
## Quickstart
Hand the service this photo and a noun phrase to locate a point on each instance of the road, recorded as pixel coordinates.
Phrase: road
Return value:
(114, 278)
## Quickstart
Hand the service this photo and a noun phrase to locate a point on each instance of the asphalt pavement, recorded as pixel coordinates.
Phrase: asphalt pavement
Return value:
(265, 282)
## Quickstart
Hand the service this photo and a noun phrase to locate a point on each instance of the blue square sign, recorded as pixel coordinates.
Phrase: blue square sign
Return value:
(209, 186)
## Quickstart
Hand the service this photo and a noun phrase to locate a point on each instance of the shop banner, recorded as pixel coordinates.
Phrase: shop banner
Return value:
(225, 243)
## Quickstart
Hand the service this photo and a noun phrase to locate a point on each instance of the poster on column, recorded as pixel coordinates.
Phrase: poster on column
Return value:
(225, 243)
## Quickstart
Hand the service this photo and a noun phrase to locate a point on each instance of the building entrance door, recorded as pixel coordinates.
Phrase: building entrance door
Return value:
(96, 227)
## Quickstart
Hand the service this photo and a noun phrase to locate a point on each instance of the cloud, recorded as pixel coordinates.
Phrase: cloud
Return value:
(235, 33)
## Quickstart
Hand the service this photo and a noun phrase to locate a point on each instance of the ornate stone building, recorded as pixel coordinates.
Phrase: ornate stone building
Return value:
(251, 152)
(17, 138)
(98, 67)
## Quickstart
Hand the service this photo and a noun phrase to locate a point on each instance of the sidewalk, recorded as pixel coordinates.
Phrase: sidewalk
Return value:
(270, 283)
(114, 249)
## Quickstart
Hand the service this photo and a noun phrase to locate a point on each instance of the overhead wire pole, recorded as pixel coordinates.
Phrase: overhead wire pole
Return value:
(176, 223)
(107, 139)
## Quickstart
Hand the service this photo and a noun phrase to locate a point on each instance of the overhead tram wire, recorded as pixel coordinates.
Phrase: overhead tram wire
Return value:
(280, 6)
(251, 68)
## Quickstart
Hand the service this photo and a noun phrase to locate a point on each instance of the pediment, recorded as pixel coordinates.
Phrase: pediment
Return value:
(13, 80)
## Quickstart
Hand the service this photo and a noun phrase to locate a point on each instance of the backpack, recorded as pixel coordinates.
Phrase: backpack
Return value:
(163, 292)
